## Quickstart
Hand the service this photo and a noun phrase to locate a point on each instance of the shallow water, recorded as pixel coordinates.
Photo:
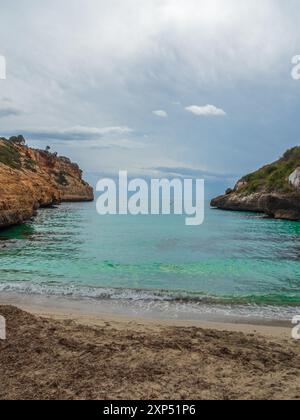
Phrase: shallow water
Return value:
(233, 259)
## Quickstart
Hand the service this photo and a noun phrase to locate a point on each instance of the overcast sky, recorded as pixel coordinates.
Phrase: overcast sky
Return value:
(169, 86)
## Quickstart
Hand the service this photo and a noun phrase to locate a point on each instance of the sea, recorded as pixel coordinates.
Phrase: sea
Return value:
(236, 265)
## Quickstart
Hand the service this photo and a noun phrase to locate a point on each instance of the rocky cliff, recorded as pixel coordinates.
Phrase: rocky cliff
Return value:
(273, 190)
(30, 179)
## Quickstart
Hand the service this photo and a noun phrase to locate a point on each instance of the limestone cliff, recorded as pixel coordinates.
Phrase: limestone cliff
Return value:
(273, 189)
(31, 178)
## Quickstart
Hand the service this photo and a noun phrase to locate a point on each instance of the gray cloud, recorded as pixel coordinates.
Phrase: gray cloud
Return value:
(129, 57)
(193, 173)
(9, 112)
(76, 133)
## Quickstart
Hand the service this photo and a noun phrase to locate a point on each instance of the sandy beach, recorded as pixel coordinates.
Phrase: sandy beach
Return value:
(52, 353)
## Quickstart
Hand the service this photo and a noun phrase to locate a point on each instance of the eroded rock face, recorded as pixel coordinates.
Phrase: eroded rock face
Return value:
(294, 178)
(240, 185)
(30, 179)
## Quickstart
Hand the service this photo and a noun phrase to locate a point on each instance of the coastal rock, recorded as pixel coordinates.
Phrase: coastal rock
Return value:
(240, 185)
(285, 206)
(30, 179)
(273, 190)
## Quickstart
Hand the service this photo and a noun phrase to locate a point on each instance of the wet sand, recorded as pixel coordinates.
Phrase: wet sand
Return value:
(52, 353)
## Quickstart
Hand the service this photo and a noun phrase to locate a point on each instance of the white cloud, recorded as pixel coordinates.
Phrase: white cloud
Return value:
(205, 111)
(161, 113)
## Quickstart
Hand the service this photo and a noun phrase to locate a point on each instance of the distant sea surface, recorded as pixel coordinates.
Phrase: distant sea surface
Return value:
(235, 263)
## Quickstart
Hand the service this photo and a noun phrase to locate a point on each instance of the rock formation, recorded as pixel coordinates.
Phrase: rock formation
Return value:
(30, 179)
(273, 190)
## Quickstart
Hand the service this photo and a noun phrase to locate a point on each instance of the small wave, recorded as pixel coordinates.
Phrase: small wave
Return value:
(106, 293)
(176, 302)
(101, 293)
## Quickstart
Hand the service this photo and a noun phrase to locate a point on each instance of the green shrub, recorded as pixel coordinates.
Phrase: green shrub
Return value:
(9, 155)
(274, 177)
(30, 165)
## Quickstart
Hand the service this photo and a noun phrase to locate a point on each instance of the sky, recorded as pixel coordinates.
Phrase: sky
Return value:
(157, 87)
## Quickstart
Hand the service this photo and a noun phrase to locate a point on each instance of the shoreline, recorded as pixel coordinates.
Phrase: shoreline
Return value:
(57, 355)
(98, 313)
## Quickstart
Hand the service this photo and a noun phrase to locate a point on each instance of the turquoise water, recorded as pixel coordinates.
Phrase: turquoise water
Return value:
(234, 258)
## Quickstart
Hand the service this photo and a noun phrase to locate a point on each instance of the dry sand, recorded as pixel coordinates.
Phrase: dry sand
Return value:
(47, 356)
